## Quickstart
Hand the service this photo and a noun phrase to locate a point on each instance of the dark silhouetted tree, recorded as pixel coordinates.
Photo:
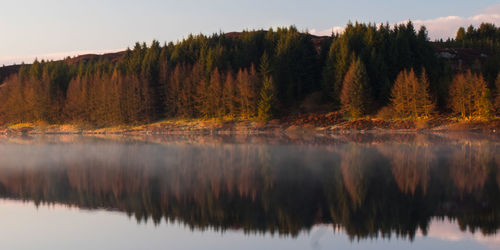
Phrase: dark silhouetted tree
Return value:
(497, 98)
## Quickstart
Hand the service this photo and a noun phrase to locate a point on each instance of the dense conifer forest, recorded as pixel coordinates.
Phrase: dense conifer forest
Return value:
(266, 74)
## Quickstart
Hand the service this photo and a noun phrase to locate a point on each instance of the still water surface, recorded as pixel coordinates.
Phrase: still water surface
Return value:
(364, 191)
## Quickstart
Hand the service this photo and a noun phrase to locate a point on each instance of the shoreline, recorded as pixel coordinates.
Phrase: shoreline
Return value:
(328, 123)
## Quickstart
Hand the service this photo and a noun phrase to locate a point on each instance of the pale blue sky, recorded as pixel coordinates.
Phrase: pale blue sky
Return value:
(53, 28)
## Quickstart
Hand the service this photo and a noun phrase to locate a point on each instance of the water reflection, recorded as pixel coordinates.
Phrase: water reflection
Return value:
(364, 185)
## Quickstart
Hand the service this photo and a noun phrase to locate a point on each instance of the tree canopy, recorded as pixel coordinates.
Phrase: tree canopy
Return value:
(228, 75)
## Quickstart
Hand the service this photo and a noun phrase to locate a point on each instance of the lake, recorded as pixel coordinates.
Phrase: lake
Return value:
(345, 191)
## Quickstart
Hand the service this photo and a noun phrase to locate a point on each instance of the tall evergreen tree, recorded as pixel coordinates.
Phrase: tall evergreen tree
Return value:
(355, 96)
(485, 109)
(267, 100)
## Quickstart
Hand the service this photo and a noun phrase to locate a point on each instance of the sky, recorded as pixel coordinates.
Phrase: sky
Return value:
(54, 29)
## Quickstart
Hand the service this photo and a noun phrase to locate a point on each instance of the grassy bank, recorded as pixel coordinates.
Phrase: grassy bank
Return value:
(305, 123)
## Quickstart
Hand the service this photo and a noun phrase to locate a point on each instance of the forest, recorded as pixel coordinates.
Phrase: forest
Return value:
(391, 72)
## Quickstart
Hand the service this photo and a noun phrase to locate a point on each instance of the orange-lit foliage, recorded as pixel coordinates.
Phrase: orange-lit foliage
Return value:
(410, 95)
(471, 167)
(467, 95)
(410, 167)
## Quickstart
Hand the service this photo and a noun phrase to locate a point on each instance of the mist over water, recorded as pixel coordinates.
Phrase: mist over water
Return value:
(354, 187)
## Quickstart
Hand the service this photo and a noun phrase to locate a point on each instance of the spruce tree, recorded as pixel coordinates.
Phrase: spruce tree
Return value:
(460, 35)
(265, 66)
(355, 95)
(485, 110)
(265, 111)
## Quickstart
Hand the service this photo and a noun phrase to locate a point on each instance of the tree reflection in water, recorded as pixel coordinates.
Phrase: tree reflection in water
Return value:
(369, 185)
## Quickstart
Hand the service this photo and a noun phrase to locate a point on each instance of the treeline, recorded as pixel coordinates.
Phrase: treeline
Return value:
(484, 41)
(486, 36)
(252, 74)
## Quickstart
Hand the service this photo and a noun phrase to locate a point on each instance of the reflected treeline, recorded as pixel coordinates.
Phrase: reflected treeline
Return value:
(368, 189)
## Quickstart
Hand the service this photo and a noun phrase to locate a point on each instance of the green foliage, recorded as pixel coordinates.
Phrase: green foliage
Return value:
(215, 76)
(355, 96)
(384, 51)
(461, 34)
(483, 40)
(485, 110)
(267, 100)
(486, 36)
(265, 66)
(295, 67)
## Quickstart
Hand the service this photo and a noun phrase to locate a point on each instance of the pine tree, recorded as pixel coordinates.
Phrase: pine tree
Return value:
(485, 109)
(150, 69)
(265, 66)
(267, 100)
(355, 95)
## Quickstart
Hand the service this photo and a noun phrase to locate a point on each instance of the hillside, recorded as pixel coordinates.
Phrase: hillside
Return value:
(376, 71)
(454, 56)
(9, 70)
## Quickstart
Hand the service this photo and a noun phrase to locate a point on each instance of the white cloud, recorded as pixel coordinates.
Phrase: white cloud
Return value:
(445, 27)
(442, 27)
(327, 32)
(447, 230)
